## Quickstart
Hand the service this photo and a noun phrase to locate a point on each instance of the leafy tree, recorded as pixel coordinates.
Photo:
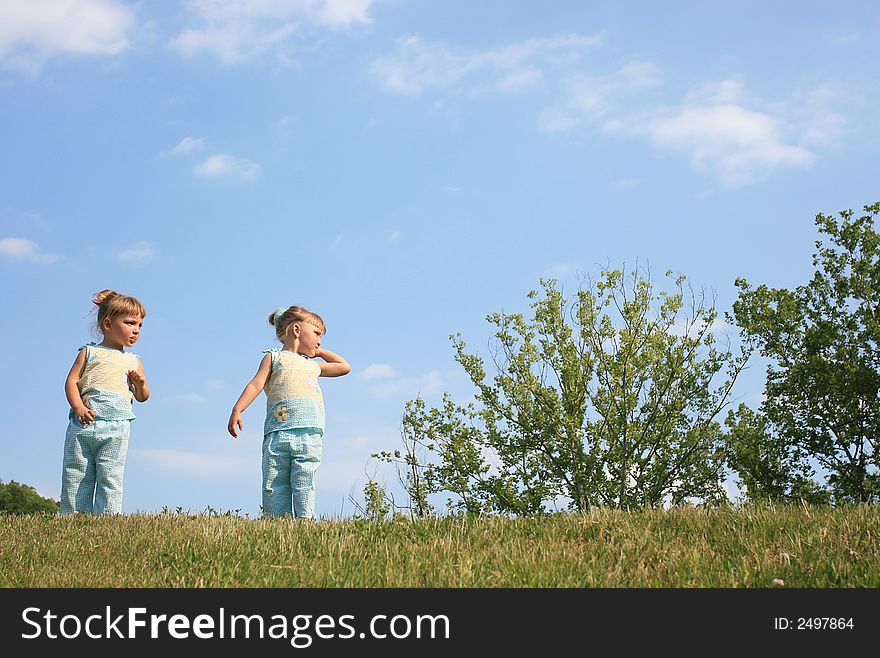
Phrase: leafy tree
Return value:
(822, 387)
(608, 399)
(768, 469)
(376, 503)
(18, 498)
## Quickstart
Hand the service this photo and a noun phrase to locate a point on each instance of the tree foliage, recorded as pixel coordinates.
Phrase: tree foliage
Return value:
(18, 498)
(608, 398)
(769, 470)
(822, 387)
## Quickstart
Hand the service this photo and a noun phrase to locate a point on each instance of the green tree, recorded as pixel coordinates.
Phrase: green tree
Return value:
(18, 498)
(608, 399)
(823, 382)
(769, 470)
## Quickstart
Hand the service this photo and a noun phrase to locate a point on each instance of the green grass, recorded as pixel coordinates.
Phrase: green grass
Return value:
(744, 547)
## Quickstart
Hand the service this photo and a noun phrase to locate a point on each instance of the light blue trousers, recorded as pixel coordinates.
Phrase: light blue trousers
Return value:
(290, 459)
(94, 462)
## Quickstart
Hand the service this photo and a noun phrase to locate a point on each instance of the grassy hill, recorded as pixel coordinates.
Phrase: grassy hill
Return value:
(731, 547)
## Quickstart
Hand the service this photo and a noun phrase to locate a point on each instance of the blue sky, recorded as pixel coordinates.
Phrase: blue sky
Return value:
(401, 167)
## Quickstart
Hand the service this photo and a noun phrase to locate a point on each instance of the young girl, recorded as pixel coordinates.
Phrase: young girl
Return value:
(294, 427)
(99, 388)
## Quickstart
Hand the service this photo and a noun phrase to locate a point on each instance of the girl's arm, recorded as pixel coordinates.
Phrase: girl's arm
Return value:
(249, 394)
(138, 383)
(335, 365)
(83, 414)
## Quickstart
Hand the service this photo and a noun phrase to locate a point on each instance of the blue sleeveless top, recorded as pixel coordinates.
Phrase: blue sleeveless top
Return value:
(293, 396)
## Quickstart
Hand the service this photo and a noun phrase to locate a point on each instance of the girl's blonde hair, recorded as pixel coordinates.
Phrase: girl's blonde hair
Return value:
(282, 320)
(110, 304)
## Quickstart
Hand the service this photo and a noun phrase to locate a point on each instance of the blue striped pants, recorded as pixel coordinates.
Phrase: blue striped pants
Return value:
(94, 463)
(290, 459)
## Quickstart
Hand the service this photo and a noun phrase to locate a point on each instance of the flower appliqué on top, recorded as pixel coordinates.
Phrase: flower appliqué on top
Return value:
(280, 414)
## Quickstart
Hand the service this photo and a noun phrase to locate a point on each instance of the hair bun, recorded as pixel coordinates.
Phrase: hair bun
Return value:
(104, 295)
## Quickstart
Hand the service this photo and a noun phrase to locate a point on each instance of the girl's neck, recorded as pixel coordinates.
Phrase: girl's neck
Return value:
(110, 345)
(291, 345)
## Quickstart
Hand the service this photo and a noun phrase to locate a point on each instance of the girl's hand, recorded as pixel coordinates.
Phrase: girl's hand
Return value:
(234, 421)
(84, 415)
(136, 379)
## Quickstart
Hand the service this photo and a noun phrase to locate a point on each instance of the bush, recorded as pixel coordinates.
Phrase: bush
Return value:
(18, 498)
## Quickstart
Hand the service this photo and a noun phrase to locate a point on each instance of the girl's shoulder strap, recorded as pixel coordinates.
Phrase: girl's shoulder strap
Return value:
(274, 353)
(87, 347)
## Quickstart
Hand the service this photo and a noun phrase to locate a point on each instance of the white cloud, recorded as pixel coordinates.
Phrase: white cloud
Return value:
(728, 134)
(197, 465)
(27, 250)
(417, 66)
(188, 145)
(227, 165)
(427, 384)
(138, 253)
(560, 269)
(741, 145)
(236, 30)
(680, 329)
(814, 119)
(394, 236)
(32, 31)
(592, 98)
(377, 371)
(718, 126)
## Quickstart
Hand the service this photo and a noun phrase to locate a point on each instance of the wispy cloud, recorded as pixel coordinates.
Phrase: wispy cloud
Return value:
(188, 145)
(377, 371)
(417, 66)
(138, 254)
(395, 385)
(724, 132)
(26, 250)
(560, 269)
(234, 30)
(718, 128)
(32, 31)
(222, 164)
(681, 329)
(197, 465)
(590, 98)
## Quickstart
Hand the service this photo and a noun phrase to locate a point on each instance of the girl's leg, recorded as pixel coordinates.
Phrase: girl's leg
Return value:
(307, 449)
(276, 475)
(110, 453)
(78, 470)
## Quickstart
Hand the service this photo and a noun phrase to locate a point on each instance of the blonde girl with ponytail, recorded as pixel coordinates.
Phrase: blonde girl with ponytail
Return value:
(100, 387)
(293, 430)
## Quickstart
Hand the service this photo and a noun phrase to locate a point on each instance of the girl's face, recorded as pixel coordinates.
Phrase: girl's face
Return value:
(122, 330)
(309, 337)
